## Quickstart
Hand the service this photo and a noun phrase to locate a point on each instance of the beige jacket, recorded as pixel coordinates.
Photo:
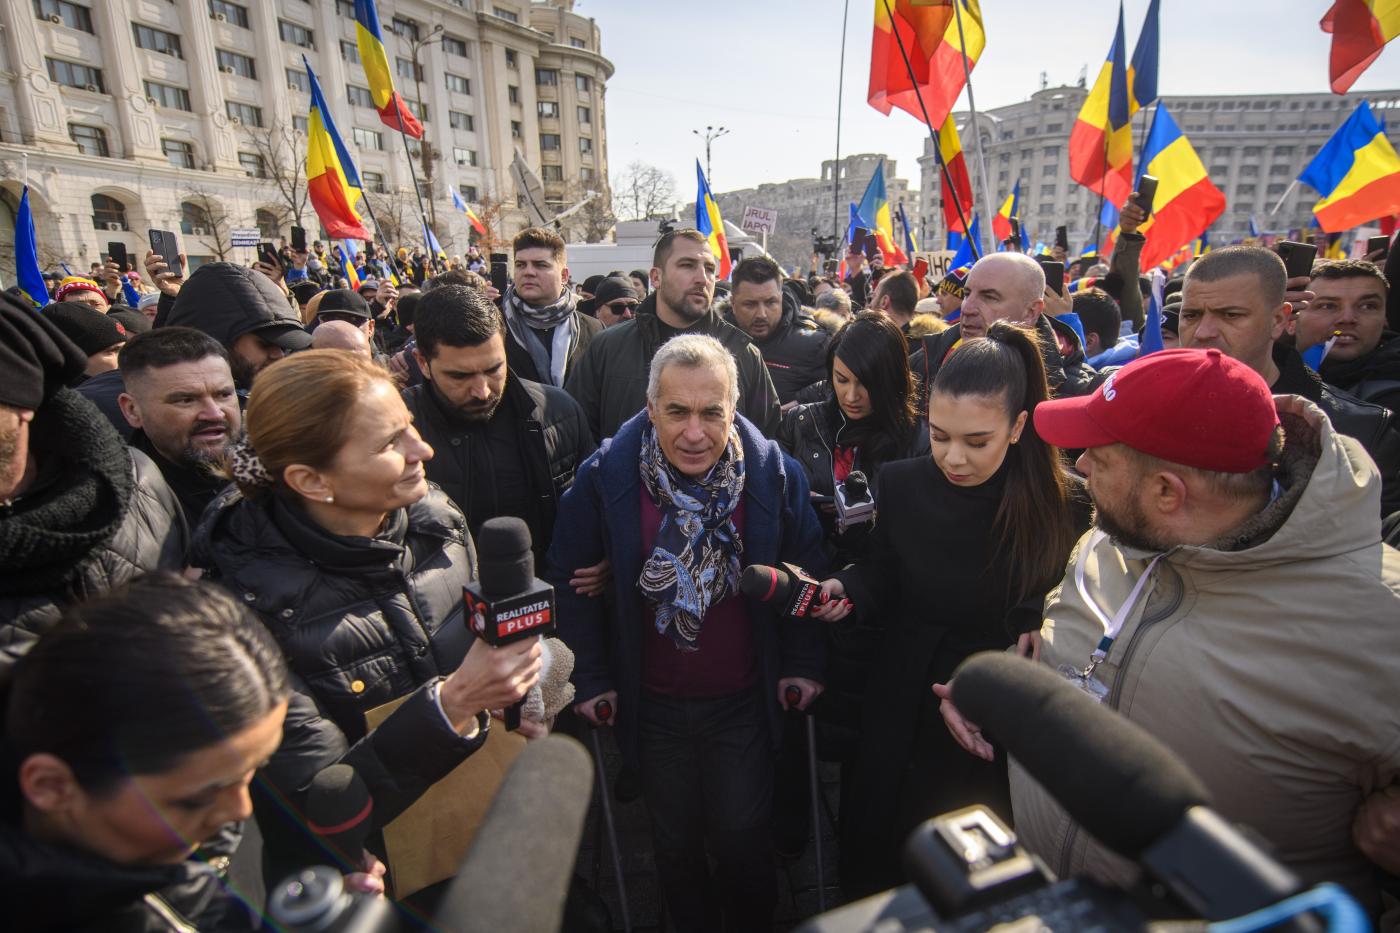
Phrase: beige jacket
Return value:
(1269, 664)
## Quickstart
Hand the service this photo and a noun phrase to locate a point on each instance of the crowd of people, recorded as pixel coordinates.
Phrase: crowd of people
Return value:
(237, 514)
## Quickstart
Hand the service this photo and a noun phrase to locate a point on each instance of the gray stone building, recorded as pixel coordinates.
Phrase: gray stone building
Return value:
(1252, 146)
(133, 114)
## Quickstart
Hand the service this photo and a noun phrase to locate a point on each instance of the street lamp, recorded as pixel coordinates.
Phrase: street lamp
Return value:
(711, 134)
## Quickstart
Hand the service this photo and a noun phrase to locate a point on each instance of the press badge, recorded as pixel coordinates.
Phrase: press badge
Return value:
(1085, 681)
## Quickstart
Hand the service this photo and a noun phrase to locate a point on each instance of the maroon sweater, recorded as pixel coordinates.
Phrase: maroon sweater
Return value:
(725, 663)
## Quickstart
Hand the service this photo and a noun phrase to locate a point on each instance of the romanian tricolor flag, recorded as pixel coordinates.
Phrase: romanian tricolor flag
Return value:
(393, 112)
(348, 265)
(1357, 173)
(1142, 70)
(875, 209)
(709, 223)
(1186, 203)
(951, 155)
(331, 180)
(911, 246)
(929, 32)
(1360, 29)
(1101, 143)
(28, 274)
(1011, 207)
(462, 206)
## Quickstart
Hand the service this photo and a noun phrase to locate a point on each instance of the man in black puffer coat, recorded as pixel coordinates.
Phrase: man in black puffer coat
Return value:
(503, 445)
(80, 512)
(792, 343)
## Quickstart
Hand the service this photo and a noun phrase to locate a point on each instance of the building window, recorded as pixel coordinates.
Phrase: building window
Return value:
(1281, 170)
(461, 121)
(468, 192)
(1048, 170)
(549, 142)
(404, 28)
(233, 63)
(156, 40)
(1047, 191)
(419, 110)
(513, 93)
(1276, 190)
(585, 174)
(345, 8)
(1046, 210)
(454, 46)
(583, 83)
(301, 124)
(268, 228)
(552, 172)
(547, 108)
(176, 98)
(464, 156)
(458, 84)
(1051, 152)
(368, 139)
(224, 11)
(373, 181)
(349, 51)
(585, 115)
(547, 76)
(577, 43)
(406, 69)
(297, 79)
(585, 145)
(295, 34)
(71, 74)
(509, 16)
(177, 153)
(1256, 150)
(253, 164)
(517, 129)
(194, 220)
(512, 59)
(1249, 171)
(108, 212)
(359, 96)
(72, 15)
(246, 114)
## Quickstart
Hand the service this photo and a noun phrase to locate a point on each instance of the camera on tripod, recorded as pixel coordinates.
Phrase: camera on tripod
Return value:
(854, 503)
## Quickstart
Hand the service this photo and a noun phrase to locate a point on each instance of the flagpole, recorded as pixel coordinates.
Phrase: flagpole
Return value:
(836, 165)
(1284, 198)
(422, 214)
(933, 133)
(1103, 195)
(972, 108)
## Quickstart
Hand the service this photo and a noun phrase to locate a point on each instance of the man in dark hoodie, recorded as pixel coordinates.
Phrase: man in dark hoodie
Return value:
(610, 380)
(793, 345)
(246, 312)
(80, 512)
(1350, 300)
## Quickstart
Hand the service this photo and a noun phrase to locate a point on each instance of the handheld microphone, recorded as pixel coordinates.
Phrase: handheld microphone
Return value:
(516, 873)
(787, 586)
(507, 602)
(1127, 790)
(338, 811)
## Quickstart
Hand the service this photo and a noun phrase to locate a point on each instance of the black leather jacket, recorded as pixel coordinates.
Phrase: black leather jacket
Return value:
(795, 351)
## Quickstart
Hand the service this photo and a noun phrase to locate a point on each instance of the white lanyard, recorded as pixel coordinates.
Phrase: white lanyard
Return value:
(1111, 627)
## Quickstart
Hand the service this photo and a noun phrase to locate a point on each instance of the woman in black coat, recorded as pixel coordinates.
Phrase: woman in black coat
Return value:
(356, 565)
(967, 544)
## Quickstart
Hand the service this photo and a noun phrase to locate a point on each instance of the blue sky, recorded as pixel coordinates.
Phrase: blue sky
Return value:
(767, 70)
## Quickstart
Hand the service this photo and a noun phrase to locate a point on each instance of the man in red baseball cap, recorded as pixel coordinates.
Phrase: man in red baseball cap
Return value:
(1235, 600)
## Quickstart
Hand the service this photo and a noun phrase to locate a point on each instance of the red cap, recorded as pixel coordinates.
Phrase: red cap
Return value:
(1198, 408)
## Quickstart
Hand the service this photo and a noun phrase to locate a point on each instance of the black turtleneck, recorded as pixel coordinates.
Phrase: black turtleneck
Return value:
(194, 487)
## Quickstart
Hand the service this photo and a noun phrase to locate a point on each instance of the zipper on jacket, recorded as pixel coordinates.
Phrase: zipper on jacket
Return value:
(1115, 694)
(162, 909)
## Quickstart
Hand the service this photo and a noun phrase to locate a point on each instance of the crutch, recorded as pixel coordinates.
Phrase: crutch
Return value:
(793, 696)
(604, 711)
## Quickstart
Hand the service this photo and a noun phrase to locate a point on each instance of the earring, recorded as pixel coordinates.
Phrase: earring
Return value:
(330, 498)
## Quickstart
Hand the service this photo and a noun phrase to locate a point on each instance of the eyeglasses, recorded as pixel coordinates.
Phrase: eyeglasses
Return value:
(618, 307)
(339, 316)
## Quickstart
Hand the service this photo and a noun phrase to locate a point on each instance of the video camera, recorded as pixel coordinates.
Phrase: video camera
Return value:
(1132, 794)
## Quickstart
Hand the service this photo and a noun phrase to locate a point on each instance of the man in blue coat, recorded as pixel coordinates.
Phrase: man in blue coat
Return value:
(684, 496)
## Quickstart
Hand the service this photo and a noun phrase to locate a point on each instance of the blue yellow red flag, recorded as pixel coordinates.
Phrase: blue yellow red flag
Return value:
(28, 274)
(332, 183)
(1357, 173)
(393, 111)
(709, 222)
(875, 208)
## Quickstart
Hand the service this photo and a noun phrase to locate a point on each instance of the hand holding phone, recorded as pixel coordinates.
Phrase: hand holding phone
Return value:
(299, 239)
(1378, 246)
(1297, 258)
(1054, 274)
(1146, 193)
(119, 256)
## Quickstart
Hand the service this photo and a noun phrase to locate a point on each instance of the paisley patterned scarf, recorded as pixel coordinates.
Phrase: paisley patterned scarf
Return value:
(695, 561)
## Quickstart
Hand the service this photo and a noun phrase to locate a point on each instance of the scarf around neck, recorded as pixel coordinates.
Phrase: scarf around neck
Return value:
(695, 560)
(521, 318)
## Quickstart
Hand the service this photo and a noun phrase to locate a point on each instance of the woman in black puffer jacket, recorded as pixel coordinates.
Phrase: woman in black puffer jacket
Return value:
(336, 540)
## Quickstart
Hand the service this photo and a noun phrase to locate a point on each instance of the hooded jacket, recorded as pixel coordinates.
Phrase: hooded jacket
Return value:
(362, 621)
(1060, 347)
(600, 516)
(794, 351)
(99, 515)
(610, 380)
(226, 301)
(1374, 378)
(1265, 661)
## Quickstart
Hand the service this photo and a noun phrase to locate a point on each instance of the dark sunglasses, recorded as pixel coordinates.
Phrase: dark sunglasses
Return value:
(355, 319)
(617, 307)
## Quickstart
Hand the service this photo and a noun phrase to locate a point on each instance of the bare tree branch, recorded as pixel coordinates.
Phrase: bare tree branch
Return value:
(642, 190)
(282, 149)
(213, 219)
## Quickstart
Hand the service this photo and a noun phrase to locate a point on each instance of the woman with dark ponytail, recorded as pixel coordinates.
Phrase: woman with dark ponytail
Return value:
(966, 546)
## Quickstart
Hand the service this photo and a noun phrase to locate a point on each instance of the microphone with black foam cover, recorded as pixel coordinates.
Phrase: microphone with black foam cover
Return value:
(507, 602)
(516, 874)
(1125, 788)
(339, 811)
(787, 587)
